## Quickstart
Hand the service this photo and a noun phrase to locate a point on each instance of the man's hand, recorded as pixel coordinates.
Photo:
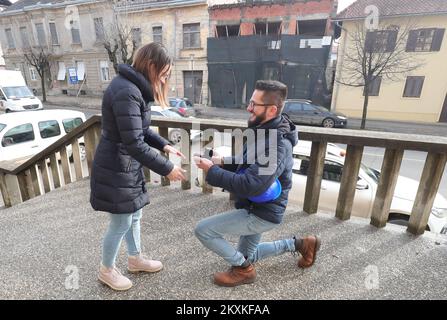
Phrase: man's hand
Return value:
(176, 174)
(203, 163)
(170, 149)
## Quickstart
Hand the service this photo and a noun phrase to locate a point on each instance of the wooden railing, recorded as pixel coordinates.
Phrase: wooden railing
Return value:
(19, 182)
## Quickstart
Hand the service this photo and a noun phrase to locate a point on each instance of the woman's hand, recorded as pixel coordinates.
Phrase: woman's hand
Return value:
(176, 174)
(170, 149)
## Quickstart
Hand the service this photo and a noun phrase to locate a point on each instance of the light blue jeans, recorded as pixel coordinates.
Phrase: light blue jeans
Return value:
(126, 225)
(249, 228)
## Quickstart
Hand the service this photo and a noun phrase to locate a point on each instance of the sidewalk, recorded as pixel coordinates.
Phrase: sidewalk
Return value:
(437, 129)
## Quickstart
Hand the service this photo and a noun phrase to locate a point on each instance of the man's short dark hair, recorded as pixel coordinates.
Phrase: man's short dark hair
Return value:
(275, 92)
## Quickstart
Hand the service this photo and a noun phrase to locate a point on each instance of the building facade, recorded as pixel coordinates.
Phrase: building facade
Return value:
(183, 27)
(285, 40)
(419, 95)
(75, 35)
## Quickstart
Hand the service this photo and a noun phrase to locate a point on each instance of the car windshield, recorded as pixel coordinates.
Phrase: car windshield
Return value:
(2, 126)
(320, 108)
(373, 173)
(17, 92)
(171, 114)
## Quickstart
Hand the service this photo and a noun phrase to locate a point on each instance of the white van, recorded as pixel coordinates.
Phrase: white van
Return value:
(27, 133)
(14, 94)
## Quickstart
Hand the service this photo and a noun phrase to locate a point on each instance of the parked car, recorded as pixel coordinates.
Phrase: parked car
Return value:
(182, 105)
(305, 112)
(27, 133)
(368, 179)
(174, 134)
(14, 94)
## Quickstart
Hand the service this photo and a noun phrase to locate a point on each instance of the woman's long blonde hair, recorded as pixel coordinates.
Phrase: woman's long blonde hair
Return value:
(151, 60)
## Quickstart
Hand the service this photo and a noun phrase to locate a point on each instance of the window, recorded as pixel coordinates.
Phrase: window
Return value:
(136, 36)
(381, 41)
(332, 171)
(19, 134)
(228, 31)
(307, 107)
(33, 74)
(62, 72)
(2, 126)
(24, 37)
(41, 38)
(53, 32)
(156, 114)
(105, 72)
(10, 39)
(374, 86)
(157, 34)
(272, 28)
(49, 129)
(424, 40)
(75, 34)
(99, 29)
(191, 35)
(271, 73)
(80, 70)
(413, 86)
(312, 27)
(70, 124)
(293, 108)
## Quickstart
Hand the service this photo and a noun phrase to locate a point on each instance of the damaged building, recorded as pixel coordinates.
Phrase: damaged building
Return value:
(285, 40)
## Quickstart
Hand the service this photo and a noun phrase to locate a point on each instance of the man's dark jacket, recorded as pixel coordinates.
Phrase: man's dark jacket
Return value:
(251, 182)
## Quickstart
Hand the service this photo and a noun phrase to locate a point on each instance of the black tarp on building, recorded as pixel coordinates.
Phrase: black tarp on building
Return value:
(235, 63)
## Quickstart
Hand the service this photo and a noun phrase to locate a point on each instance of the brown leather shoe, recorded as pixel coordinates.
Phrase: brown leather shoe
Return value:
(235, 276)
(308, 251)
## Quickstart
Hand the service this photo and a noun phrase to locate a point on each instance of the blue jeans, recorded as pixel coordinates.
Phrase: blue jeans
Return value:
(249, 228)
(121, 226)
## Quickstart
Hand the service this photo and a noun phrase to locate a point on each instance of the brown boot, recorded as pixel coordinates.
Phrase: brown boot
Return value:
(309, 247)
(235, 276)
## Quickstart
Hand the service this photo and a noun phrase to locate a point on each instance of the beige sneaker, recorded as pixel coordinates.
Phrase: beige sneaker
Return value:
(139, 263)
(114, 279)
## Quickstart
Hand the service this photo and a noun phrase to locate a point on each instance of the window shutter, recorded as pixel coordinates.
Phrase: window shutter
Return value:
(369, 41)
(437, 40)
(412, 38)
(392, 38)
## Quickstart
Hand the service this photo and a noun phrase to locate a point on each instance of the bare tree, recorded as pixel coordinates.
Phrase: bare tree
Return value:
(40, 58)
(119, 37)
(376, 55)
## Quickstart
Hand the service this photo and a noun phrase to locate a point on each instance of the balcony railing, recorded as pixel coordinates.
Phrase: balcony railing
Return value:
(20, 180)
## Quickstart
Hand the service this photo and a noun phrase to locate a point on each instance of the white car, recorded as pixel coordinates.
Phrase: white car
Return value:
(14, 94)
(401, 205)
(24, 134)
(174, 135)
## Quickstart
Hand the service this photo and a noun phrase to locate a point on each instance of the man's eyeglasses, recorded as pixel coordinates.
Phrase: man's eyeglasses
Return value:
(253, 104)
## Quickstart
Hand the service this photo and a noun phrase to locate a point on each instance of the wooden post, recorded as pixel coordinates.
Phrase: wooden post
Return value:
(428, 187)
(206, 188)
(385, 190)
(163, 131)
(186, 163)
(77, 160)
(90, 147)
(314, 177)
(349, 182)
(65, 162)
(45, 175)
(54, 164)
(35, 180)
(13, 187)
(4, 190)
(24, 191)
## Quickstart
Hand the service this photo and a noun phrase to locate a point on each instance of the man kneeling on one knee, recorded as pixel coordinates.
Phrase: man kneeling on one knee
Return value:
(261, 189)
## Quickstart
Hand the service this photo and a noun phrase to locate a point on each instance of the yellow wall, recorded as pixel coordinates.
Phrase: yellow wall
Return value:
(390, 104)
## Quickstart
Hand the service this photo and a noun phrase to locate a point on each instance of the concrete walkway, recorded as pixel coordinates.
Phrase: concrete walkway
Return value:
(51, 250)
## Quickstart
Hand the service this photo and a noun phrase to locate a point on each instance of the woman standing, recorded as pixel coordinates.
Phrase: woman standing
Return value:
(126, 145)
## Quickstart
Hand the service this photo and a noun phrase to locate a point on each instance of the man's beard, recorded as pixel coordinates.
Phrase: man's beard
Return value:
(257, 121)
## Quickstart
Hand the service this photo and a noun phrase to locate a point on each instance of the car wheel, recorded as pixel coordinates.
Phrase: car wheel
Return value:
(328, 123)
(175, 136)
